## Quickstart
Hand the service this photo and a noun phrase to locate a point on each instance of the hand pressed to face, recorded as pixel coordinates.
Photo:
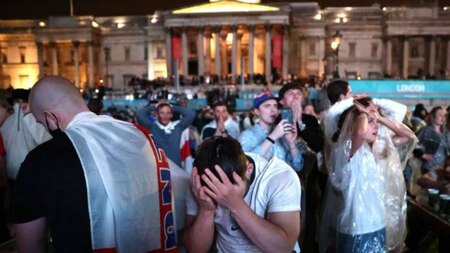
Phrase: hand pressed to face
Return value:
(292, 98)
(221, 115)
(221, 123)
(224, 192)
(203, 200)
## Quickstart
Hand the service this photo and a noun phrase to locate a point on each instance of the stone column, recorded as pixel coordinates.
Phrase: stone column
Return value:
(223, 55)
(285, 64)
(200, 52)
(217, 51)
(54, 58)
(251, 52)
(388, 57)
(90, 64)
(303, 60)
(432, 56)
(184, 56)
(321, 56)
(40, 49)
(168, 51)
(207, 46)
(240, 60)
(76, 61)
(234, 53)
(268, 63)
(405, 57)
(150, 71)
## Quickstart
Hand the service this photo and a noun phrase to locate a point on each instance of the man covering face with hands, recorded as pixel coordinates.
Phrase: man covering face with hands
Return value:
(253, 204)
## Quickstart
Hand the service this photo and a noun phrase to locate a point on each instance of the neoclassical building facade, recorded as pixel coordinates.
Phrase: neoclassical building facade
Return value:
(228, 39)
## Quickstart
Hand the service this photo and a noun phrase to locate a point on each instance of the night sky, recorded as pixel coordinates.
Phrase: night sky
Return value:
(31, 9)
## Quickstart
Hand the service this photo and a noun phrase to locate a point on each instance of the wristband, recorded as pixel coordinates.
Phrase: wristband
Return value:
(270, 139)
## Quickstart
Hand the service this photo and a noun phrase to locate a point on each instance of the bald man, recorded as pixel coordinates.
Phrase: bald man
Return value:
(99, 184)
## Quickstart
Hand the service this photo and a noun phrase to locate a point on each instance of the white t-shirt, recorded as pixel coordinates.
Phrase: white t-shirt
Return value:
(276, 188)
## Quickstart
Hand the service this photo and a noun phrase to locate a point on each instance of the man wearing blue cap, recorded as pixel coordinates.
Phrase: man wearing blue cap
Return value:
(268, 139)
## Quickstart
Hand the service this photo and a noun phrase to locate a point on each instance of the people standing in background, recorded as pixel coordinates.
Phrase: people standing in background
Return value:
(167, 133)
(269, 139)
(419, 117)
(338, 94)
(308, 128)
(308, 109)
(222, 125)
(310, 142)
(247, 120)
(434, 138)
(95, 105)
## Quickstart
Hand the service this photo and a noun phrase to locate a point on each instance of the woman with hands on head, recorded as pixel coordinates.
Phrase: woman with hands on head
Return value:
(357, 174)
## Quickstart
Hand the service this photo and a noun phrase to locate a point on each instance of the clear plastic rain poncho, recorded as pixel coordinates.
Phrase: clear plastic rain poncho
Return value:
(360, 183)
(371, 185)
(392, 160)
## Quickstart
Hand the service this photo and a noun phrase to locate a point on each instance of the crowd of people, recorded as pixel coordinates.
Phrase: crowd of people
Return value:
(328, 178)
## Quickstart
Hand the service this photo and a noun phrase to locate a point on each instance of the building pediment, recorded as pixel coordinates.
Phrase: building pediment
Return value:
(226, 6)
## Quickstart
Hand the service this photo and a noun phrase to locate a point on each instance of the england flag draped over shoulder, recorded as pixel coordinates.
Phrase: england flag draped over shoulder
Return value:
(128, 183)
